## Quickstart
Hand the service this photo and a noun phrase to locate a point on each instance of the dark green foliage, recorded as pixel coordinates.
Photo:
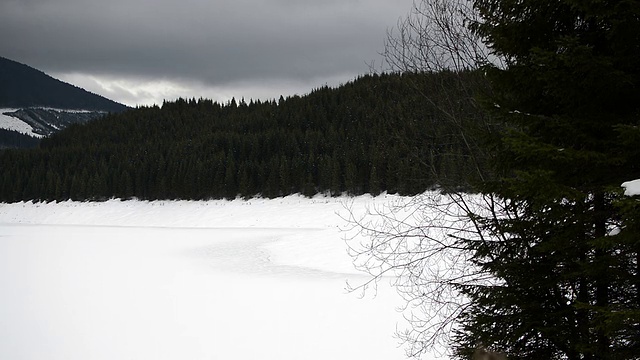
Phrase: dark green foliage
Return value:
(10, 139)
(570, 99)
(23, 86)
(370, 135)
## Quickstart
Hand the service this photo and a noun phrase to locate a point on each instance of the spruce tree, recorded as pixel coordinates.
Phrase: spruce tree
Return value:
(565, 251)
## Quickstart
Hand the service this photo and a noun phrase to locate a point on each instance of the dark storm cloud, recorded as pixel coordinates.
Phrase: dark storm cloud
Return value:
(212, 42)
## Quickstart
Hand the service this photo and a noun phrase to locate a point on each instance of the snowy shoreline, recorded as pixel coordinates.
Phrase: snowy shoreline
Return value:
(294, 211)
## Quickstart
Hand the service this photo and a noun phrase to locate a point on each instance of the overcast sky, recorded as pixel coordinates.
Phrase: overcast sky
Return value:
(143, 51)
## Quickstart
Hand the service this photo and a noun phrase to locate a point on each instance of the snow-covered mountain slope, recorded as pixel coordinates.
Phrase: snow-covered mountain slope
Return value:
(13, 123)
(39, 122)
(35, 104)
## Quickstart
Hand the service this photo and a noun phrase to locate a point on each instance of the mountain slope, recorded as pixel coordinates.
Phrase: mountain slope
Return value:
(374, 134)
(23, 86)
(34, 105)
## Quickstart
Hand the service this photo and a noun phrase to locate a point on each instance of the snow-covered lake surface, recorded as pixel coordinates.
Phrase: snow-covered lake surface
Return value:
(258, 279)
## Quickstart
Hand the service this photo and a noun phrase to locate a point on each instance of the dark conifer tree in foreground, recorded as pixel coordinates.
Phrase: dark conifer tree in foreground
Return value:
(566, 256)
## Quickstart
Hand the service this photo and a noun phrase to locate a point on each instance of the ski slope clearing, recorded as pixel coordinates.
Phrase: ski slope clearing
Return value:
(256, 279)
(11, 123)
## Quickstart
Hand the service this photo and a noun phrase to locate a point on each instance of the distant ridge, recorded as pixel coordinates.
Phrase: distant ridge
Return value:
(22, 86)
(376, 133)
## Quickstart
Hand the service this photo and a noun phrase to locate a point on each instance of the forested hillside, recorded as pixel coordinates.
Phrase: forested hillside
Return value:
(23, 86)
(13, 139)
(374, 134)
(42, 105)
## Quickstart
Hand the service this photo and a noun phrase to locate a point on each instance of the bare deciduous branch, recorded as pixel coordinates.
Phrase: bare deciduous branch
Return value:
(416, 245)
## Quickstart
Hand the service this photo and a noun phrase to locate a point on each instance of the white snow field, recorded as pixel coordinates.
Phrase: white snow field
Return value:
(15, 124)
(229, 280)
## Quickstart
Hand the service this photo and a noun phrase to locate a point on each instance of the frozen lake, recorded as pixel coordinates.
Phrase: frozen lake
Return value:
(263, 279)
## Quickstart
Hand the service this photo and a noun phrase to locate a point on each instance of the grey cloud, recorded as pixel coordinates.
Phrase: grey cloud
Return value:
(213, 42)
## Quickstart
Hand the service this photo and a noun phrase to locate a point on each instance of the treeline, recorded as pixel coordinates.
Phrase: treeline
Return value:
(374, 134)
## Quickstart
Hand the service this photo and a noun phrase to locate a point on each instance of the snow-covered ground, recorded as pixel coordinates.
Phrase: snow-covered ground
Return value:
(631, 188)
(258, 279)
(11, 123)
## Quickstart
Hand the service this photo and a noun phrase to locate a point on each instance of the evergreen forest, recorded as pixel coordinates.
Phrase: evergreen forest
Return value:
(10, 139)
(373, 134)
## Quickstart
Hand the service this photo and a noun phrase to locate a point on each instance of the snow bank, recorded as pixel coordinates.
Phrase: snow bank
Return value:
(631, 188)
(293, 211)
(312, 229)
